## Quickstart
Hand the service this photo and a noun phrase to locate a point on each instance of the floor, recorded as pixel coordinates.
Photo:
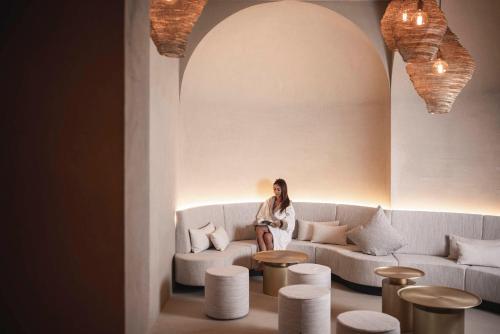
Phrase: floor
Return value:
(184, 313)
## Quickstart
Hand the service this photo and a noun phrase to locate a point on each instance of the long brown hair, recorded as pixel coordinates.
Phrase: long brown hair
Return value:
(285, 201)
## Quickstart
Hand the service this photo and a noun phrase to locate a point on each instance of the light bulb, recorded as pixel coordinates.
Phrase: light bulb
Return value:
(440, 66)
(404, 16)
(420, 18)
(171, 2)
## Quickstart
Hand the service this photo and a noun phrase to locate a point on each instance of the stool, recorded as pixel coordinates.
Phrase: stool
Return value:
(227, 292)
(310, 273)
(304, 309)
(357, 322)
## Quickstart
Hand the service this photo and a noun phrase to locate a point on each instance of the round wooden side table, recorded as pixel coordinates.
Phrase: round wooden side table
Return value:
(397, 278)
(275, 268)
(438, 309)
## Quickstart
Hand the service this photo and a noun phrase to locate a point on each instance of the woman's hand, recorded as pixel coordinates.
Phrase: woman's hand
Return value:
(276, 224)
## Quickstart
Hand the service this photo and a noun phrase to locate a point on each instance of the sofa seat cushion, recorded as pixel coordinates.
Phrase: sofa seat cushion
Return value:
(350, 264)
(190, 268)
(438, 270)
(484, 282)
(303, 246)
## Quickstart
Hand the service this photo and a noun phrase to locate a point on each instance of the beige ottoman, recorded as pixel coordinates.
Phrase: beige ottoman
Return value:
(304, 309)
(357, 322)
(310, 273)
(226, 292)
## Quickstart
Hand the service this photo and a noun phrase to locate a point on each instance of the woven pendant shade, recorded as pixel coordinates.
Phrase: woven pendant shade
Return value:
(172, 22)
(392, 13)
(440, 90)
(418, 44)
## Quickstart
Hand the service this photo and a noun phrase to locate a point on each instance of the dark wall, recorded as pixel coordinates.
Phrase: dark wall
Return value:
(62, 140)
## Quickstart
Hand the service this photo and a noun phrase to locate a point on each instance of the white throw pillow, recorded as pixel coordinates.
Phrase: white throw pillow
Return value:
(455, 238)
(478, 255)
(377, 237)
(219, 238)
(329, 234)
(199, 237)
(306, 228)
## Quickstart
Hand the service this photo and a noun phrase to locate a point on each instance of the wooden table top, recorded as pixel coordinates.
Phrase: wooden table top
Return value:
(399, 272)
(439, 297)
(281, 257)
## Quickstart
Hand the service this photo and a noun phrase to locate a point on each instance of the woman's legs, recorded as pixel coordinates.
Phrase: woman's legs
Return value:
(260, 231)
(268, 239)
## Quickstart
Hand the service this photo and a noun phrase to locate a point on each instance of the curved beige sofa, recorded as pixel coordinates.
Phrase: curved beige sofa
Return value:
(426, 234)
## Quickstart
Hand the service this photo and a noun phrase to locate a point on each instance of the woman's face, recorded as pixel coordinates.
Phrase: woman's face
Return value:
(277, 190)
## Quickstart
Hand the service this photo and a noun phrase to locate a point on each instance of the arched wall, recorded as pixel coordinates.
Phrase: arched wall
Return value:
(284, 89)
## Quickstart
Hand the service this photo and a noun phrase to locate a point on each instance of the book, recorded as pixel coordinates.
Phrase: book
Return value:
(264, 223)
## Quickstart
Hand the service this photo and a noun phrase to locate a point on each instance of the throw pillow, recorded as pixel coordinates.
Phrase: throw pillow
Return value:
(329, 234)
(219, 238)
(306, 228)
(377, 237)
(455, 238)
(478, 255)
(199, 237)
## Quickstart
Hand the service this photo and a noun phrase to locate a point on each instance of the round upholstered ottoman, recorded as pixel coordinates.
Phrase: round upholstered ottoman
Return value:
(356, 322)
(304, 309)
(226, 292)
(310, 273)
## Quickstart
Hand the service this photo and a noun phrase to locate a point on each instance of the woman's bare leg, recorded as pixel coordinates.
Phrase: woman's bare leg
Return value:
(268, 239)
(260, 231)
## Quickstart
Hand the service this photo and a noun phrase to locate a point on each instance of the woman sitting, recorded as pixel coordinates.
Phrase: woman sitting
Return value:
(275, 220)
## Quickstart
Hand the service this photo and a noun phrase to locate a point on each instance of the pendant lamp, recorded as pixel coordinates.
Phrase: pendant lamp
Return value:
(440, 88)
(171, 23)
(419, 38)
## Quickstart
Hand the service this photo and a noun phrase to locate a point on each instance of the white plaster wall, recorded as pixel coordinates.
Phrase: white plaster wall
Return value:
(164, 103)
(288, 90)
(452, 162)
(136, 167)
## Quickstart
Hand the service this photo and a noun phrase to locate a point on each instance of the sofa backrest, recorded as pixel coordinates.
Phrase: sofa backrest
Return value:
(491, 227)
(427, 232)
(195, 218)
(239, 220)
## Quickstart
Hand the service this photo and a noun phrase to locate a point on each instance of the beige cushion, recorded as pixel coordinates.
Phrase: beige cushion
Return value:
(200, 237)
(377, 237)
(455, 238)
(306, 228)
(195, 218)
(329, 234)
(478, 255)
(219, 238)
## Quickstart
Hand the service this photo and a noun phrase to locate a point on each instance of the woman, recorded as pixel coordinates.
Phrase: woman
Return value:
(275, 220)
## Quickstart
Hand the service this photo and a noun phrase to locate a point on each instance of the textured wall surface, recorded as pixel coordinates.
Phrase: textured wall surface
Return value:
(164, 102)
(290, 90)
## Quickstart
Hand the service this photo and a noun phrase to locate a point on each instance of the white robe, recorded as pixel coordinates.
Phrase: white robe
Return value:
(281, 237)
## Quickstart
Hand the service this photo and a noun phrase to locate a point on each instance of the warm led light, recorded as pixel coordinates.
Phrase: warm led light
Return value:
(440, 66)
(171, 2)
(404, 16)
(420, 18)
